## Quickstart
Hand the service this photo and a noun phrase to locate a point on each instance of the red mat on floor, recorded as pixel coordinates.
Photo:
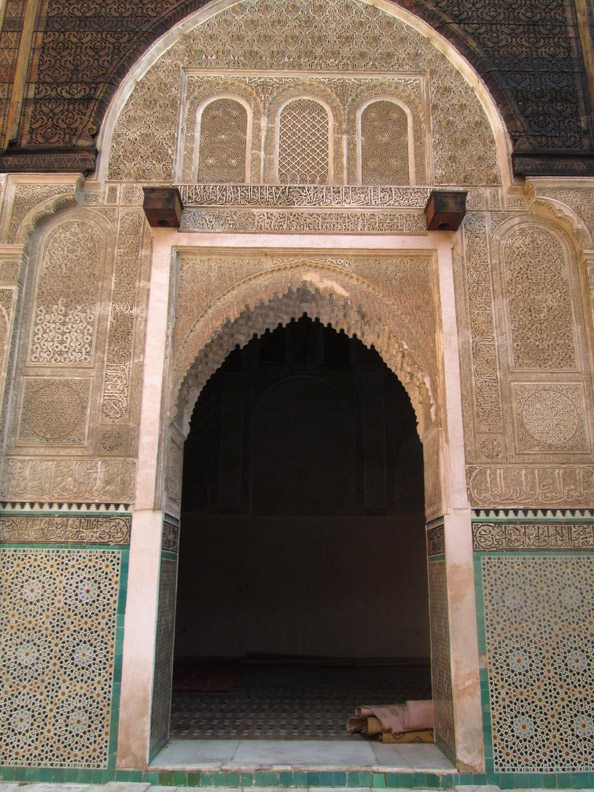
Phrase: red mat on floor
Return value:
(206, 677)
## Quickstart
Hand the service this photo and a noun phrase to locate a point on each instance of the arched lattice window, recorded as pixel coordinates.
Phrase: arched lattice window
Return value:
(223, 142)
(304, 143)
(384, 144)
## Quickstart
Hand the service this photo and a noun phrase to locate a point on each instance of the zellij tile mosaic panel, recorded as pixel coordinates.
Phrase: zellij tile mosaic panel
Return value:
(539, 629)
(58, 618)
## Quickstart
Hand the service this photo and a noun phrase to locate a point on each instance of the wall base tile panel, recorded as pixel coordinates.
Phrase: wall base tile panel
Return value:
(539, 629)
(58, 620)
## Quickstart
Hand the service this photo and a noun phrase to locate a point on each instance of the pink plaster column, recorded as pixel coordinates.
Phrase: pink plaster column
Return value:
(140, 627)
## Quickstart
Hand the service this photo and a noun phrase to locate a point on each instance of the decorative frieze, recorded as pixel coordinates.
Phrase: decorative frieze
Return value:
(65, 529)
(494, 536)
(293, 195)
(535, 486)
(279, 221)
(43, 479)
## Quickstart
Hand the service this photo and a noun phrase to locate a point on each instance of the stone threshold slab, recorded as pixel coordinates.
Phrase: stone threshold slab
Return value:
(306, 755)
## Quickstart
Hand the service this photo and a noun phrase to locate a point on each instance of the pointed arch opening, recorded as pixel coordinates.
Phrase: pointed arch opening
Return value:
(302, 589)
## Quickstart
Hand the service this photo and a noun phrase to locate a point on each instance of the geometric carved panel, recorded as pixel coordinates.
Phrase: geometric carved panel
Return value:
(54, 411)
(540, 650)
(223, 137)
(57, 646)
(384, 144)
(550, 417)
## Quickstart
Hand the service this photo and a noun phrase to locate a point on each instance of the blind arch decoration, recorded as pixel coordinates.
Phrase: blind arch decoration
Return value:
(303, 143)
(384, 141)
(223, 137)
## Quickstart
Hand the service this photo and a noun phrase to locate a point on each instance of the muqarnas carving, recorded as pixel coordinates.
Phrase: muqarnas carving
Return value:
(550, 418)
(58, 631)
(67, 295)
(54, 411)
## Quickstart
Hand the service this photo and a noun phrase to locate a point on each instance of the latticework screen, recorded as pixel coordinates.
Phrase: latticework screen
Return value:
(303, 148)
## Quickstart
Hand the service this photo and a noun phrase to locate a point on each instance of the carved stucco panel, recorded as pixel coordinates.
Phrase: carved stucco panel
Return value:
(306, 37)
(7, 301)
(538, 294)
(124, 310)
(174, 456)
(54, 411)
(68, 290)
(484, 422)
(29, 196)
(67, 479)
(575, 205)
(550, 418)
(199, 89)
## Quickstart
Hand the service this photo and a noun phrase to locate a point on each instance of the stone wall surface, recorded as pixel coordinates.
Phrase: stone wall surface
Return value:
(75, 260)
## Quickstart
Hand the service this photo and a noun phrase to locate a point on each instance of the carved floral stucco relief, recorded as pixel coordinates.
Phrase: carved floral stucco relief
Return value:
(527, 390)
(83, 310)
(335, 36)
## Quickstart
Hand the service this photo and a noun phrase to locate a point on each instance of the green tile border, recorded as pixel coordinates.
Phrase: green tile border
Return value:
(319, 778)
(118, 658)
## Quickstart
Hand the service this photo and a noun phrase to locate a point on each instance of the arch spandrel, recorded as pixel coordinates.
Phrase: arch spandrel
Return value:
(313, 39)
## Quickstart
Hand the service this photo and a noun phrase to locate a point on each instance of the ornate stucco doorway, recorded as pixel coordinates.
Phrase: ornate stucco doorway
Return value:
(289, 210)
(219, 298)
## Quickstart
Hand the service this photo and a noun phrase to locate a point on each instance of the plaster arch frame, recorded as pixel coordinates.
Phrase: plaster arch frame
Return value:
(161, 448)
(168, 39)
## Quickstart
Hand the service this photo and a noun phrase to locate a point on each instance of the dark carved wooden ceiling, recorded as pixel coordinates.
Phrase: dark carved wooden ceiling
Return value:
(530, 53)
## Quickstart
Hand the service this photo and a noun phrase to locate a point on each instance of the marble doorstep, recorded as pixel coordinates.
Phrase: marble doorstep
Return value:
(190, 755)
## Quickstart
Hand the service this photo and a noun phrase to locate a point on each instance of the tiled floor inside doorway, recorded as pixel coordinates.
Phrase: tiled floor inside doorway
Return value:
(293, 701)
